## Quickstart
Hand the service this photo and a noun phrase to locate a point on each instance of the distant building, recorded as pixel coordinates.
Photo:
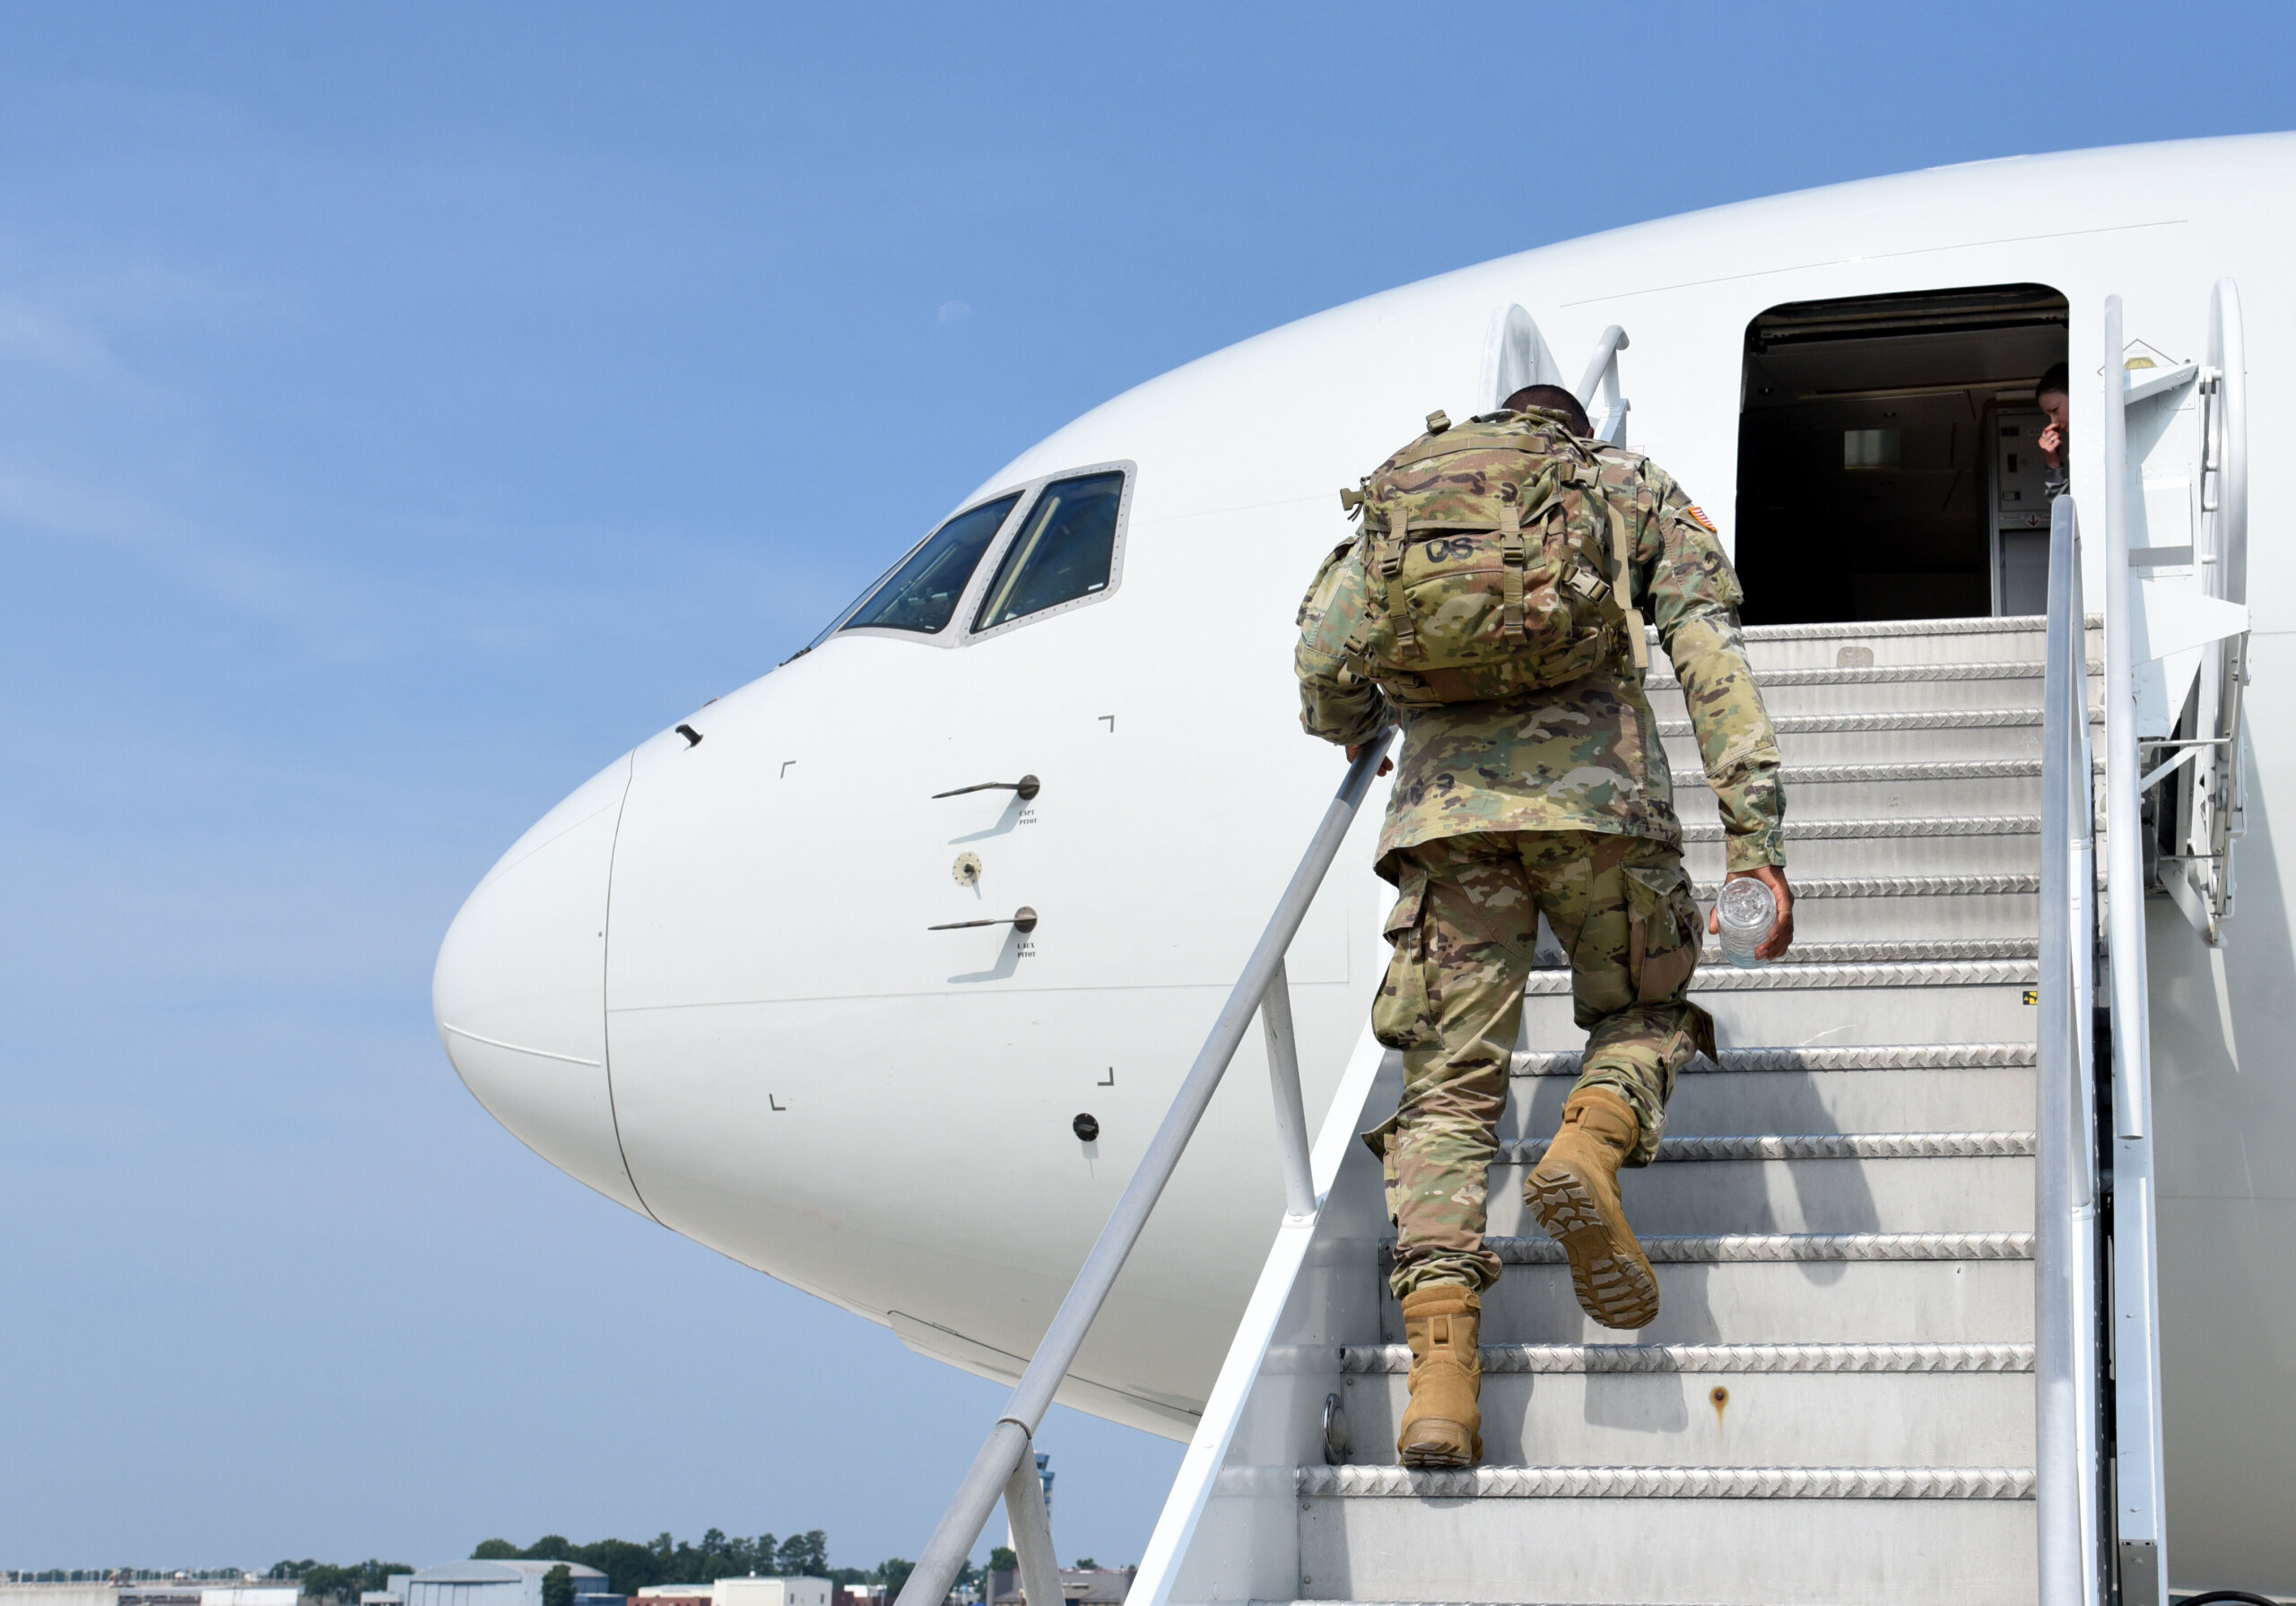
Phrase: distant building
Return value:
(858, 1594)
(744, 1591)
(496, 1584)
(59, 1594)
(770, 1592)
(1079, 1586)
(157, 1592)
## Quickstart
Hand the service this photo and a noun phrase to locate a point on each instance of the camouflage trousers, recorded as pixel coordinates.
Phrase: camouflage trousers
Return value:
(1464, 927)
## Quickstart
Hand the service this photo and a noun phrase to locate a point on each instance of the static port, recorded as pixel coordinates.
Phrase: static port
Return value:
(1086, 1127)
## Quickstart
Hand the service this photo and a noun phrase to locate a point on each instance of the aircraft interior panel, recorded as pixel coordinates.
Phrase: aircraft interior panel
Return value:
(1868, 488)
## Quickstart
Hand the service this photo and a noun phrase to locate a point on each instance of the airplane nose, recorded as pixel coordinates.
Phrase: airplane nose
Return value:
(520, 990)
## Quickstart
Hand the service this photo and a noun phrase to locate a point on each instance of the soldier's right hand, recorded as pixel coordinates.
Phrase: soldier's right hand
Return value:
(1781, 935)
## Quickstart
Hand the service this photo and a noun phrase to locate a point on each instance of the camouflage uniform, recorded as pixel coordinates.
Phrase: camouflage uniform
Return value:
(1558, 803)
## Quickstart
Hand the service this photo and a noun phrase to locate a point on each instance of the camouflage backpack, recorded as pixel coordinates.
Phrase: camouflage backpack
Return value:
(1494, 565)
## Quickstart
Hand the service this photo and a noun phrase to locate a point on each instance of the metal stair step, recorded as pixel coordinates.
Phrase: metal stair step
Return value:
(1726, 978)
(1841, 1004)
(1822, 849)
(1670, 1483)
(1869, 908)
(1991, 882)
(1395, 1358)
(1857, 737)
(1884, 674)
(1892, 720)
(1886, 790)
(1897, 641)
(1806, 1536)
(1724, 1146)
(1851, 1100)
(1653, 1482)
(1714, 1248)
(1942, 1191)
(1871, 1056)
(1884, 828)
(1771, 1302)
(1822, 692)
(1886, 1089)
(1884, 855)
(1885, 952)
(1670, 1416)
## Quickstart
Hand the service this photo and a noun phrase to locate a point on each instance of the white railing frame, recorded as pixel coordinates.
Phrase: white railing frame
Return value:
(1263, 989)
(1602, 370)
(2215, 786)
(2066, 1328)
(2137, 1472)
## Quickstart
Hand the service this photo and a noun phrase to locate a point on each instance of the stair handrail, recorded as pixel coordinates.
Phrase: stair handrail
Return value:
(2066, 1404)
(1262, 989)
(1602, 371)
(2137, 1525)
(2224, 513)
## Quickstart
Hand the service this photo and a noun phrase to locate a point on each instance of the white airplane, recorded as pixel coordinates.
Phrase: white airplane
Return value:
(878, 973)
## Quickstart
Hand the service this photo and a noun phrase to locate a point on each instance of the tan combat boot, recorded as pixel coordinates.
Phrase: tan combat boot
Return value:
(1574, 1193)
(1443, 1425)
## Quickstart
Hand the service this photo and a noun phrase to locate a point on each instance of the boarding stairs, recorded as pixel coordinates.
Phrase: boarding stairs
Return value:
(1889, 1364)
(1836, 1401)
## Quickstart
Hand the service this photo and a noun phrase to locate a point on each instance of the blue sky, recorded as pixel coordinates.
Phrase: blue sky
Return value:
(403, 409)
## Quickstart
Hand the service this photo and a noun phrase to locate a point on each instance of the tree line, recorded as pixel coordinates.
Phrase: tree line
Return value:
(631, 1567)
(324, 1582)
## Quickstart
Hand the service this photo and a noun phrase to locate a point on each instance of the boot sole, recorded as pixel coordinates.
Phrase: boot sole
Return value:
(1618, 1290)
(1441, 1457)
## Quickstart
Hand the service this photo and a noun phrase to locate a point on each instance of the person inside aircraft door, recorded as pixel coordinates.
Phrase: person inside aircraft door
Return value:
(1491, 603)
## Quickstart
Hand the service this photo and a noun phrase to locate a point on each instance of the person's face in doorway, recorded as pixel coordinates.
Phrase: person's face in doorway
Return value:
(2059, 407)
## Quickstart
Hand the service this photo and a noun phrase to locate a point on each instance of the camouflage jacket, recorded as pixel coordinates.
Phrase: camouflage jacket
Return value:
(1585, 756)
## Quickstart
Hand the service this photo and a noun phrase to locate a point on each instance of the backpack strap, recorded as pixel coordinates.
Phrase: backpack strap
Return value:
(1391, 552)
(1450, 443)
(1622, 580)
(1511, 556)
(1614, 595)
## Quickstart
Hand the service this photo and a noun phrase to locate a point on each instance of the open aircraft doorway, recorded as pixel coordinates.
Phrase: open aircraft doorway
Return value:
(1886, 459)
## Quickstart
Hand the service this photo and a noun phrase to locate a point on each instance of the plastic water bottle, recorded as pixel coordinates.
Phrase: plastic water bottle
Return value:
(1749, 910)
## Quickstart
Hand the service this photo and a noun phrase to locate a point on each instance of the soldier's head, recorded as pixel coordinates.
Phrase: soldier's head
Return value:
(2052, 394)
(1552, 398)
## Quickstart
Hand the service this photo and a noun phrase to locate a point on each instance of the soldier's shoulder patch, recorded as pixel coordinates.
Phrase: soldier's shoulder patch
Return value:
(1698, 516)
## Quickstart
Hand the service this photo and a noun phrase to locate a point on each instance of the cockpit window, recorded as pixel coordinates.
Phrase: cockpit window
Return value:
(1062, 552)
(923, 591)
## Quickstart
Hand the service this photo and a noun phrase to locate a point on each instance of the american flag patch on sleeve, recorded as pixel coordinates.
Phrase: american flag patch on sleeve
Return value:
(1698, 516)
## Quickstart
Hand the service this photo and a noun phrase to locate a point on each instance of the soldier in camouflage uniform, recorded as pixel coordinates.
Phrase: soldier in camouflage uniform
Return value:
(1556, 802)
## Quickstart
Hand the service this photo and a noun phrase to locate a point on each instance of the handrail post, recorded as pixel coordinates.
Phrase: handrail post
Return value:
(1032, 1530)
(2056, 1476)
(1290, 1108)
(1612, 341)
(2136, 1361)
(1602, 371)
(2064, 1212)
(2090, 1329)
(945, 1554)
